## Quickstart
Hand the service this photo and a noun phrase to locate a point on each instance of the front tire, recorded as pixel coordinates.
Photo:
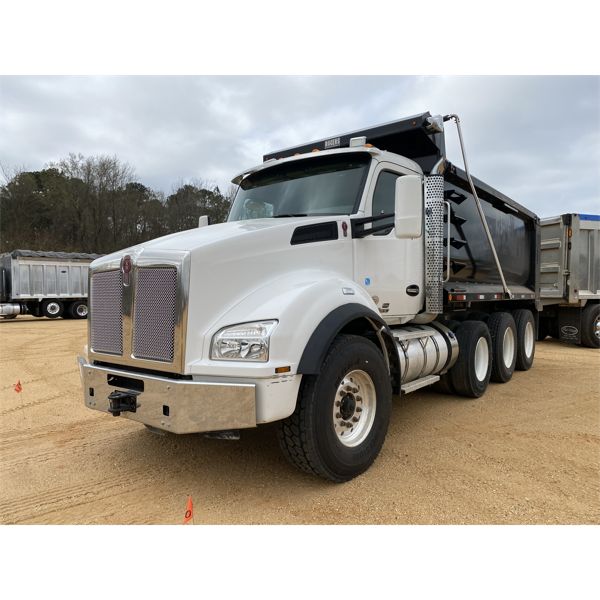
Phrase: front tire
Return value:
(342, 414)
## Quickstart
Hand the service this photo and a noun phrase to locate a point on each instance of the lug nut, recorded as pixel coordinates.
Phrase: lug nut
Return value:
(359, 398)
(348, 424)
(358, 409)
(337, 415)
(338, 403)
(355, 419)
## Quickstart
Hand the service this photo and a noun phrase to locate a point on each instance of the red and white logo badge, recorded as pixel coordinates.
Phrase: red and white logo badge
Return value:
(126, 266)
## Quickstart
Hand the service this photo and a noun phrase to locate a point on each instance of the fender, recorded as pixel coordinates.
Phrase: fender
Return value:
(323, 336)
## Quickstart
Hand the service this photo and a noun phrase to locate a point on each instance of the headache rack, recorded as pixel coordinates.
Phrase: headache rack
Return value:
(420, 138)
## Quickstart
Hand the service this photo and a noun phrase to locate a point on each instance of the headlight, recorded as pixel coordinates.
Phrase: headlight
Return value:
(247, 341)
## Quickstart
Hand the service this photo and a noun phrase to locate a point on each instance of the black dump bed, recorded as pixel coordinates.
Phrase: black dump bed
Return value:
(514, 229)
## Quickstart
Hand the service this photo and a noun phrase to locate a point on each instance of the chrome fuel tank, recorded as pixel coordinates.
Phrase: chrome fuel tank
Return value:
(425, 350)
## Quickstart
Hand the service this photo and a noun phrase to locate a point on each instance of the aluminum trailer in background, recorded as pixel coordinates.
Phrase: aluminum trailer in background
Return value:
(570, 279)
(44, 284)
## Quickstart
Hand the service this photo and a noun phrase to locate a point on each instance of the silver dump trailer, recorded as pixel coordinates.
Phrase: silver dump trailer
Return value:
(44, 284)
(570, 279)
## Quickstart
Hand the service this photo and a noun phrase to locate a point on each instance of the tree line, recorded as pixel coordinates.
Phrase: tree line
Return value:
(94, 204)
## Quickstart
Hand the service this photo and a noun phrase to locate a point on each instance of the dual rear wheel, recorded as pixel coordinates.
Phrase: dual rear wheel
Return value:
(490, 351)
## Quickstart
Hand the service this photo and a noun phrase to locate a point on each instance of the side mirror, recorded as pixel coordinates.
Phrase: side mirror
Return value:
(408, 221)
(203, 221)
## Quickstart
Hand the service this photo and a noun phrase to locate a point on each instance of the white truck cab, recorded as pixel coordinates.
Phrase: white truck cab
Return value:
(321, 296)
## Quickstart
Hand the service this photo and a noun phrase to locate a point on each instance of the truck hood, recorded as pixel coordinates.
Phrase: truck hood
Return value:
(229, 262)
(229, 233)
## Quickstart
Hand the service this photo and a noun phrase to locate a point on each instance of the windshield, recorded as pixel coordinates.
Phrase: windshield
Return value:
(327, 185)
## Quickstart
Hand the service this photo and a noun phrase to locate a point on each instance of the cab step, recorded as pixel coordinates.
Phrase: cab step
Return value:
(412, 386)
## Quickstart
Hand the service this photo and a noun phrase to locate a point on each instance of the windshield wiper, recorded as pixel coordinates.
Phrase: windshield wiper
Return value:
(290, 215)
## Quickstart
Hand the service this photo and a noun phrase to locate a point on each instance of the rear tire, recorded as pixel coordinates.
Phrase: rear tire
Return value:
(52, 309)
(470, 375)
(326, 435)
(79, 309)
(504, 346)
(590, 326)
(525, 338)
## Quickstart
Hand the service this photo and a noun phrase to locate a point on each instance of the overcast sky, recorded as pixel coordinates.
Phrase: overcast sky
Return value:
(537, 139)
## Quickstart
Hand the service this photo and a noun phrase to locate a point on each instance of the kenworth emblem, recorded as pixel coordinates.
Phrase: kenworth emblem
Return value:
(126, 269)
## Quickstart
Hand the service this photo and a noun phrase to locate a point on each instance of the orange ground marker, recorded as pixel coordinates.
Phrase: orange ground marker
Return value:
(18, 387)
(189, 512)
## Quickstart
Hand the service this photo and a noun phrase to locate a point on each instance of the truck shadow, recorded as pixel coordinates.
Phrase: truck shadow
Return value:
(255, 461)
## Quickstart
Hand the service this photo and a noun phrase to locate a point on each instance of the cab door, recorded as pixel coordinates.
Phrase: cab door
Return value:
(390, 269)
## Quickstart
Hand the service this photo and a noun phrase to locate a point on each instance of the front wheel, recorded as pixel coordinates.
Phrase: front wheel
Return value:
(342, 414)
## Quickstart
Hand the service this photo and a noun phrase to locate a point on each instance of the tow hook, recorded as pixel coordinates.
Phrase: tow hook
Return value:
(122, 401)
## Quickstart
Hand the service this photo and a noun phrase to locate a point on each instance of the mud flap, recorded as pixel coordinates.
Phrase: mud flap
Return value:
(569, 325)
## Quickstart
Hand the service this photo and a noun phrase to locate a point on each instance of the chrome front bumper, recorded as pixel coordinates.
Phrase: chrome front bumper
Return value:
(175, 405)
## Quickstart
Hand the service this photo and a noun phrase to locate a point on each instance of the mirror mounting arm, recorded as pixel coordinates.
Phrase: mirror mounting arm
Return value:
(358, 225)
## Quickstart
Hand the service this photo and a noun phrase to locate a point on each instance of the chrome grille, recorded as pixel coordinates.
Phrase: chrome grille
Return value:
(154, 314)
(106, 312)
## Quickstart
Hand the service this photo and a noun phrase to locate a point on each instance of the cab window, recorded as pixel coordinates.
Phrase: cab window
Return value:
(383, 199)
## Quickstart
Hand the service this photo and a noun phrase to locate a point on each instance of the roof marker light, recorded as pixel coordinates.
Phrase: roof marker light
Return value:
(358, 141)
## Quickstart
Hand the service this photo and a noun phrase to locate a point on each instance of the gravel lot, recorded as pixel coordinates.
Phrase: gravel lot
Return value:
(527, 452)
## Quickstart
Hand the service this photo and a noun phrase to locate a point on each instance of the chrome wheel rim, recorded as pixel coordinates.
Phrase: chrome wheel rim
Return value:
(53, 308)
(482, 359)
(508, 347)
(82, 310)
(597, 327)
(354, 408)
(529, 339)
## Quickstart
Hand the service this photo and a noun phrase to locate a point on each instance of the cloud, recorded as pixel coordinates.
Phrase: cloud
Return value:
(537, 139)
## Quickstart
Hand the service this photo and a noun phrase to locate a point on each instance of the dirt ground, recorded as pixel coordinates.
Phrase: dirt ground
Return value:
(527, 452)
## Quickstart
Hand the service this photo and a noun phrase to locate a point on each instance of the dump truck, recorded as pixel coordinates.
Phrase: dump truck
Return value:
(44, 284)
(570, 279)
(350, 269)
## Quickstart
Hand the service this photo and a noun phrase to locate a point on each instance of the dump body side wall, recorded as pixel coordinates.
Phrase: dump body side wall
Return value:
(514, 231)
(570, 264)
(34, 279)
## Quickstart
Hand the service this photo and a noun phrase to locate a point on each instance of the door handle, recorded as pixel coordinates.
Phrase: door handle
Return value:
(412, 290)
